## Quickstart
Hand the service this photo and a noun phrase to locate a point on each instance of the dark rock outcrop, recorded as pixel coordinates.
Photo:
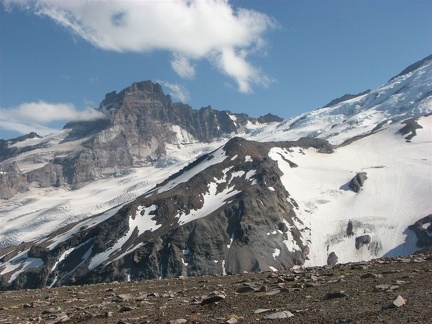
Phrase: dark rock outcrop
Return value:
(423, 230)
(349, 230)
(410, 128)
(362, 240)
(332, 259)
(357, 182)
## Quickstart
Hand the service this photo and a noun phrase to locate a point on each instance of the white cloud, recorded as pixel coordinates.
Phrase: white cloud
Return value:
(37, 116)
(190, 29)
(176, 91)
(183, 66)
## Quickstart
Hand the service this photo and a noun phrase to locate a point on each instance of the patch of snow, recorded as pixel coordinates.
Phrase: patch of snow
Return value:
(273, 269)
(231, 240)
(141, 222)
(212, 201)
(216, 157)
(88, 223)
(276, 253)
(128, 251)
(237, 174)
(250, 174)
(248, 158)
(19, 264)
(182, 135)
(65, 254)
(223, 268)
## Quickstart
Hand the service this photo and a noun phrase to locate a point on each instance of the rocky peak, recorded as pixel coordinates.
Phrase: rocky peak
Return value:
(138, 92)
(140, 121)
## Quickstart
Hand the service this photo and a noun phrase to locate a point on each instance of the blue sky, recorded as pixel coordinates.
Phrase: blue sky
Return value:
(59, 59)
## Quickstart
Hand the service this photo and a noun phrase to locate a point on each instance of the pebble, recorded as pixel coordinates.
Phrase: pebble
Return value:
(213, 299)
(177, 321)
(246, 289)
(398, 302)
(278, 315)
(334, 295)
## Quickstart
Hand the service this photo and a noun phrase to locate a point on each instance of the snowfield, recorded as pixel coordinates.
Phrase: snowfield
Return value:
(396, 193)
(30, 216)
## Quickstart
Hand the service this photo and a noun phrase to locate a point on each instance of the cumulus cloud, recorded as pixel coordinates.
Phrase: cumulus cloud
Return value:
(177, 91)
(37, 116)
(191, 29)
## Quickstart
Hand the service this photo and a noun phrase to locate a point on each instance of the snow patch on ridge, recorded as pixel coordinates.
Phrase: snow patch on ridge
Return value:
(139, 222)
(19, 264)
(216, 157)
(212, 201)
(88, 223)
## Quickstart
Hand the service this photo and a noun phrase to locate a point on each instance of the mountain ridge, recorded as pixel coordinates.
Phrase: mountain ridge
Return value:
(273, 198)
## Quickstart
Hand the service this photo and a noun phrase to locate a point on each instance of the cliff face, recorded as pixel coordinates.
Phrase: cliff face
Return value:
(140, 121)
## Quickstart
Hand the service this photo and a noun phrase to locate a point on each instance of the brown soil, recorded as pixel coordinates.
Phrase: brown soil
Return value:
(363, 293)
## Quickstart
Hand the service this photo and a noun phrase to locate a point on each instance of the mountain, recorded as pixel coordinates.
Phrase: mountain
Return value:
(139, 122)
(157, 189)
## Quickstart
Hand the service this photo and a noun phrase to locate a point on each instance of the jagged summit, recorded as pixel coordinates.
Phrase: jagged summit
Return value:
(138, 92)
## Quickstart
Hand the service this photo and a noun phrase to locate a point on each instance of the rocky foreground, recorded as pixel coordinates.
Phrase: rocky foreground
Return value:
(387, 290)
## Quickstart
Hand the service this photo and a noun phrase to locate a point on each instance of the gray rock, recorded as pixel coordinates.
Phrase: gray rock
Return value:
(125, 297)
(278, 315)
(62, 319)
(334, 295)
(398, 302)
(52, 310)
(126, 308)
(370, 275)
(332, 259)
(263, 310)
(213, 298)
(273, 292)
(362, 240)
(246, 289)
(383, 287)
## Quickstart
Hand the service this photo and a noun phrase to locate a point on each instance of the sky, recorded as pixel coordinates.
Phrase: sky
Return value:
(58, 59)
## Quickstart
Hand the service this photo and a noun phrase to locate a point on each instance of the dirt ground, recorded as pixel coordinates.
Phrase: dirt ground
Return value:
(350, 293)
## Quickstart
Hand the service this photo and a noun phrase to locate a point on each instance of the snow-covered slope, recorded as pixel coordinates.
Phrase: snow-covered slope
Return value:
(33, 214)
(395, 194)
(403, 97)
